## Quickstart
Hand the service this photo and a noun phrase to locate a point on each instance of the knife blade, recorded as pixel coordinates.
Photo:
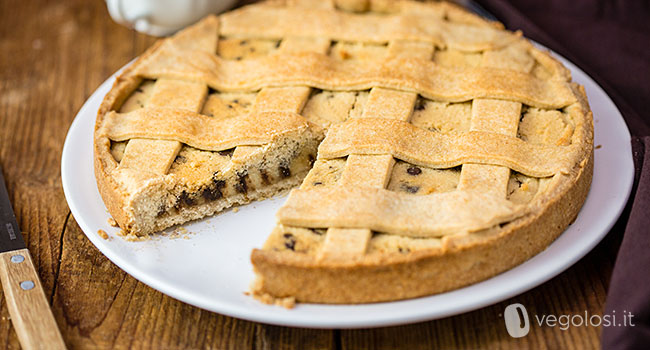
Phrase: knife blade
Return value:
(11, 238)
(29, 309)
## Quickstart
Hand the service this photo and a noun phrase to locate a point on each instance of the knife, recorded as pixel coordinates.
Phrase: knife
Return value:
(29, 309)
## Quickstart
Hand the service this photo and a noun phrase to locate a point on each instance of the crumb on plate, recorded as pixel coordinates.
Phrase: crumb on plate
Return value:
(102, 234)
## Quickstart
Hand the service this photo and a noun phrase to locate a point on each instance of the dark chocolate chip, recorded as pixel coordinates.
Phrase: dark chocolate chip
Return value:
(219, 184)
(284, 171)
(235, 101)
(183, 199)
(227, 152)
(265, 177)
(289, 241)
(186, 199)
(211, 193)
(229, 106)
(180, 159)
(519, 183)
(317, 183)
(318, 231)
(414, 170)
(161, 210)
(410, 189)
(242, 186)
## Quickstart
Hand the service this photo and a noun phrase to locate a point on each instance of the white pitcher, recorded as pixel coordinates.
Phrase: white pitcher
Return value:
(163, 17)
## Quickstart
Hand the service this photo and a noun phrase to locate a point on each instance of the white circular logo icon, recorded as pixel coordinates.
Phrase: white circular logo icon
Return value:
(516, 318)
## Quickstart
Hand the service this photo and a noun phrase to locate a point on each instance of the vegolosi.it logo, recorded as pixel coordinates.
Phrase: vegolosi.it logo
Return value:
(518, 322)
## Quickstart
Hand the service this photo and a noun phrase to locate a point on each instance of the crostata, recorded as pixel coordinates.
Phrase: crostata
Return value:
(427, 148)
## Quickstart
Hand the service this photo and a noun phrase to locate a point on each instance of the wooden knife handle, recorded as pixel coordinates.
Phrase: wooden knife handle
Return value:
(30, 312)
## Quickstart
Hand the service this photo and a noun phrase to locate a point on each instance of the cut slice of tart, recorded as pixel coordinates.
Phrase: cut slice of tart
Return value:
(172, 146)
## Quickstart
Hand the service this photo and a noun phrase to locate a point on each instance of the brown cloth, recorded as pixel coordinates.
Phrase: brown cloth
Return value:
(610, 41)
(629, 288)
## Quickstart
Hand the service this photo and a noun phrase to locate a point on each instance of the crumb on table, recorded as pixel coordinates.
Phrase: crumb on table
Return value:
(112, 222)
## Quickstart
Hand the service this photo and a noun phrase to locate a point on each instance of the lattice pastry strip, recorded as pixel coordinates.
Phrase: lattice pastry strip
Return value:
(437, 150)
(367, 171)
(278, 22)
(400, 73)
(373, 171)
(157, 155)
(404, 214)
(202, 131)
(496, 116)
(490, 116)
(289, 99)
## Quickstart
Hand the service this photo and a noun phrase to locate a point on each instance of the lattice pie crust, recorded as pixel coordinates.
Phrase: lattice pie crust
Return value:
(436, 148)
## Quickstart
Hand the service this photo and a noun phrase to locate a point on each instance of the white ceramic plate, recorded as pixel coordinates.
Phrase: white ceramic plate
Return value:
(211, 269)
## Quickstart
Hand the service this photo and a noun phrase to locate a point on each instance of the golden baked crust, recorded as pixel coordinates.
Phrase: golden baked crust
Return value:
(453, 150)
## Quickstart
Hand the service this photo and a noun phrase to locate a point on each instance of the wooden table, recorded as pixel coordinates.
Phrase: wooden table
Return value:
(53, 55)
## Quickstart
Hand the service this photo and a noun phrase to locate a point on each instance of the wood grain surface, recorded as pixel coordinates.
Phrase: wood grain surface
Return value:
(53, 55)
